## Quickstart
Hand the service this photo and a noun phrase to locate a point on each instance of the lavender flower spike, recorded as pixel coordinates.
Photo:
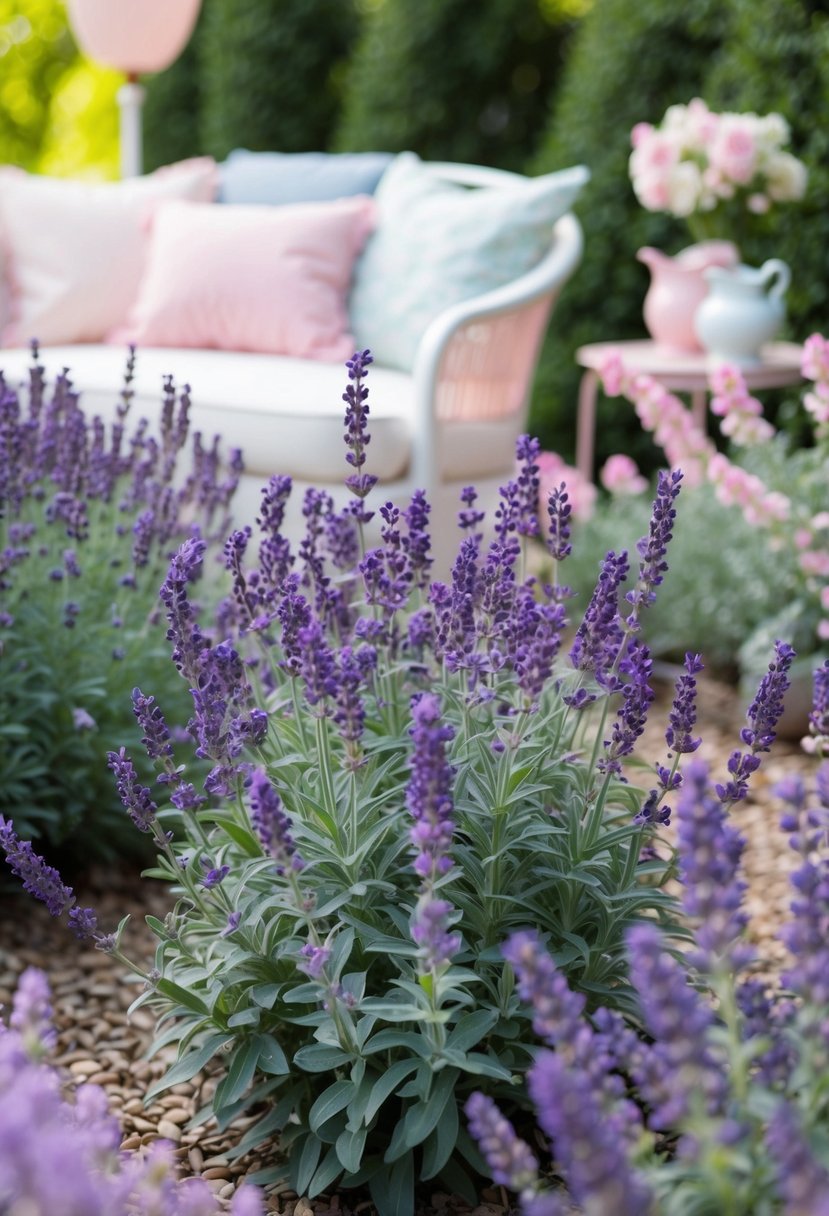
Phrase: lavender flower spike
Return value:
(653, 547)
(802, 1180)
(819, 717)
(683, 714)
(430, 931)
(356, 436)
(136, 798)
(587, 1146)
(510, 1160)
(31, 1014)
(767, 706)
(38, 878)
(271, 824)
(710, 851)
(557, 1010)
(559, 511)
(429, 792)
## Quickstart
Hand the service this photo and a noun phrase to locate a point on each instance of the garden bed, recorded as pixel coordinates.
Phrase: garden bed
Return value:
(91, 993)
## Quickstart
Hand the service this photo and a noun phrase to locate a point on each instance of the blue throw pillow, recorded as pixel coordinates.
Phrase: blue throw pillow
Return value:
(299, 177)
(437, 243)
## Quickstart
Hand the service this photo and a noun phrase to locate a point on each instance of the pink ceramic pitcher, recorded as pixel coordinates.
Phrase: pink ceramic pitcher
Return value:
(678, 287)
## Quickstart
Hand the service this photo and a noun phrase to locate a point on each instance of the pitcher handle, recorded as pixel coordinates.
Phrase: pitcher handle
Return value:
(776, 274)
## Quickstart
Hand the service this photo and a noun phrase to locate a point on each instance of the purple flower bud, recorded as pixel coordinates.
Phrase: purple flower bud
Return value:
(511, 1162)
(269, 821)
(136, 798)
(429, 791)
(313, 960)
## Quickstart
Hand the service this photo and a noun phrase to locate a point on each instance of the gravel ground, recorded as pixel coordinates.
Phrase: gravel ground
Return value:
(98, 1043)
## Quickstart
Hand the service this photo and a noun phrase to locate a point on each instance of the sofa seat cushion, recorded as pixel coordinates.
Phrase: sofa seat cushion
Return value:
(283, 413)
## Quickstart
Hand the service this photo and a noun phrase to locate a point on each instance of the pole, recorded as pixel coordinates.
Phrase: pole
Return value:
(130, 100)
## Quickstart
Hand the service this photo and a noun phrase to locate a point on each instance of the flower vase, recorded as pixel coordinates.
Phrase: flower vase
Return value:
(677, 288)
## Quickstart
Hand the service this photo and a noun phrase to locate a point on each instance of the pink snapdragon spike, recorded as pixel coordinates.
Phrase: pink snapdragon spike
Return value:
(684, 444)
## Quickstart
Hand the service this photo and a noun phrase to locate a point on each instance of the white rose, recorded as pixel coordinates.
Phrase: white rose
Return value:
(772, 132)
(786, 177)
(684, 188)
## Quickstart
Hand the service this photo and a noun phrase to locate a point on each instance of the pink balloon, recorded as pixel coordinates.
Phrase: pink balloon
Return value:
(133, 35)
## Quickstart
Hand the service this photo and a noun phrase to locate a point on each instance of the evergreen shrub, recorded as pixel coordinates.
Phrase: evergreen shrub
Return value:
(454, 81)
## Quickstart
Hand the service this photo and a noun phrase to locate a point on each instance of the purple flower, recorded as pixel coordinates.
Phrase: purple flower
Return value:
(527, 449)
(511, 1162)
(233, 920)
(430, 931)
(683, 713)
(357, 437)
(213, 875)
(469, 518)
(803, 1181)
(819, 717)
(354, 669)
(557, 1010)
(82, 720)
(588, 1149)
(805, 934)
(269, 821)
(632, 716)
(767, 706)
(136, 798)
(39, 879)
(653, 547)
(558, 534)
(183, 631)
(710, 851)
(762, 716)
(156, 736)
(417, 542)
(599, 636)
(31, 1014)
(679, 1066)
(429, 790)
(314, 959)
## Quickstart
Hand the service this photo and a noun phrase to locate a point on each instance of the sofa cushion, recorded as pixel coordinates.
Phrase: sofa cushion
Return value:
(252, 278)
(299, 177)
(437, 243)
(75, 250)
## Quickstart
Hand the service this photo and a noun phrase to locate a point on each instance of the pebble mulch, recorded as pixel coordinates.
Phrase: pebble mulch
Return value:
(98, 1042)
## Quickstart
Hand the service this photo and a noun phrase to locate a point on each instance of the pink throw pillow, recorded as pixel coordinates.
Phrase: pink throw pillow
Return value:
(74, 250)
(268, 279)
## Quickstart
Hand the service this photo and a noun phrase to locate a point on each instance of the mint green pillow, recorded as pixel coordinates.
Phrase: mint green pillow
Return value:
(437, 243)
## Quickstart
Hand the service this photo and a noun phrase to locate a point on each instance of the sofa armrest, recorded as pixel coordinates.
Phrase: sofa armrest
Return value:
(477, 359)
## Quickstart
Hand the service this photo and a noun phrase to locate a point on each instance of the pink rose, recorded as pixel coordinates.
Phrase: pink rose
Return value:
(620, 475)
(734, 148)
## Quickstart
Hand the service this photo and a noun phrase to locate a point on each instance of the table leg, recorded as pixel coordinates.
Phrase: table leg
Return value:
(586, 423)
(699, 408)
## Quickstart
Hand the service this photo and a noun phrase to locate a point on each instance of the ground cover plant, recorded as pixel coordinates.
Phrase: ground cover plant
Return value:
(89, 516)
(403, 775)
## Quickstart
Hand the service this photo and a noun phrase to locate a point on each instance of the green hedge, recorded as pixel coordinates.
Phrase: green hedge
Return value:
(271, 73)
(172, 122)
(628, 62)
(454, 80)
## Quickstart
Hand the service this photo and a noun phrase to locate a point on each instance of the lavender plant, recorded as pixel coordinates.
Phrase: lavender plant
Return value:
(719, 1102)
(403, 773)
(89, 516)
(61, 1156)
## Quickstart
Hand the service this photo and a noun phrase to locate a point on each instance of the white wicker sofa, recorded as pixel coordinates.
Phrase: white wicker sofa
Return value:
(449, 421)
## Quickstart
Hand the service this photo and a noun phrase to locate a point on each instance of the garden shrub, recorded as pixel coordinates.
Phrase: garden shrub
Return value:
(271, 74)
(500, 60)
(89, 515)
(37, 50)
(402, 775)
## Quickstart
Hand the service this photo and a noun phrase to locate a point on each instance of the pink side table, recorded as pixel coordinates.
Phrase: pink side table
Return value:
(680, 372)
